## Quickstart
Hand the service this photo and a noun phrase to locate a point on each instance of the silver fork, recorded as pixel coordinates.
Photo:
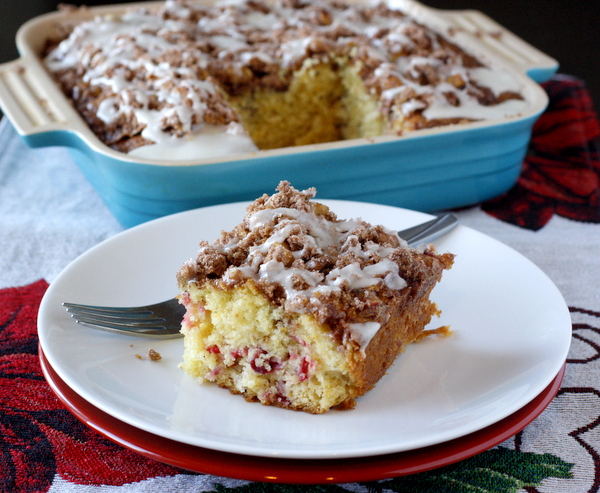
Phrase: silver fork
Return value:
(163, 320)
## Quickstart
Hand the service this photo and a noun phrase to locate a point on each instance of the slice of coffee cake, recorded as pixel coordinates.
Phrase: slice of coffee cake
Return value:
(298, 309)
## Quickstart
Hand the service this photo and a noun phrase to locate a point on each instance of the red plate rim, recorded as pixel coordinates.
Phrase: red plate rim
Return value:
(299, 471)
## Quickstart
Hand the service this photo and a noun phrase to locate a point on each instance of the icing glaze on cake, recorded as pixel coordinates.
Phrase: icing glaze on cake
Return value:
(150, 83)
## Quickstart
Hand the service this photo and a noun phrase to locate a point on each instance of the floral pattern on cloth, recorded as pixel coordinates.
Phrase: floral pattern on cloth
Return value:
(39, 438)
(561, 172)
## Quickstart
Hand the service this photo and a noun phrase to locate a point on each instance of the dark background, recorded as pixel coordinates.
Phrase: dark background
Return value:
(567, 30)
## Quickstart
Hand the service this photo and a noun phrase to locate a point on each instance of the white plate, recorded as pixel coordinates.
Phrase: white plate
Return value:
(512, 332)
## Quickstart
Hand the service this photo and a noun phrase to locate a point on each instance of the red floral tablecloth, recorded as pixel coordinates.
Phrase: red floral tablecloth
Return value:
(552, 215)
(561, 174)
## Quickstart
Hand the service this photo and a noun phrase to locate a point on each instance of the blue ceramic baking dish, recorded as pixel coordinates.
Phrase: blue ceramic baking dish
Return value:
(426, 170)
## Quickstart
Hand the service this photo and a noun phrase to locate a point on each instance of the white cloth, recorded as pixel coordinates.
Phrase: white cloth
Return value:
(49, 213)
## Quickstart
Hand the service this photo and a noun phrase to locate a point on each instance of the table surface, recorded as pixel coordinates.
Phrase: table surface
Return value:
(49, 215)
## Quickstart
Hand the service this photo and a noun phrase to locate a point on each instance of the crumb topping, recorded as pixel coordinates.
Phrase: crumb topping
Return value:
(151, 355)
(305, 259)
(148, 76)
(154, 355)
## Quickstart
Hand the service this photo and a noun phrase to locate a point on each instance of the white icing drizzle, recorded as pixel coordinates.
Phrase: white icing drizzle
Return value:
(211, 142)
(112, 49)
(322, 234)
(363, 333)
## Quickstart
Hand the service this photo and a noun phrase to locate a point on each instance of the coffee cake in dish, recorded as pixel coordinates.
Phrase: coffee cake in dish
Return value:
(191, 80)
(298, 309)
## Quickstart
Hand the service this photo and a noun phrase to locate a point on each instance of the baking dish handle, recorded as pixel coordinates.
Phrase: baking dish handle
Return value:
(503, 43)
(28, 97)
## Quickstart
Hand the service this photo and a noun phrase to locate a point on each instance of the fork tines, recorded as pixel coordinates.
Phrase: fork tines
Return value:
(139, 321)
